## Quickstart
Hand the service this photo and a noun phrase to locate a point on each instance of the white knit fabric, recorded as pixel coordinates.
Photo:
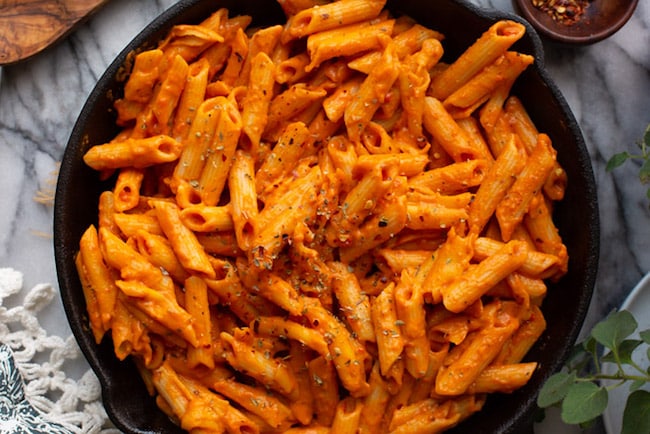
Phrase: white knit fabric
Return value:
(41, 360)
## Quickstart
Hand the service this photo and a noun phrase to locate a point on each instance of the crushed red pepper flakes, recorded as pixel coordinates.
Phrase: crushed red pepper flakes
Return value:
(563, 11)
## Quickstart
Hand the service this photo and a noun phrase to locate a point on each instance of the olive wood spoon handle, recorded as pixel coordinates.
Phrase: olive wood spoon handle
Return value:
(29, 26)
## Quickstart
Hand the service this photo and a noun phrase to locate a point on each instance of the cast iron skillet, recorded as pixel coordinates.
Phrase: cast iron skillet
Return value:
(78, 189)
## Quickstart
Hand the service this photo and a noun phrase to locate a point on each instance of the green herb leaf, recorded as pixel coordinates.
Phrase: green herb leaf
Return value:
(645, 336)
(617, 160)
(583, 403)
(637, 384)
(636, 416)
(590, 345)
(555, 389)
(614, 329)
(626, 349)
(624, 352)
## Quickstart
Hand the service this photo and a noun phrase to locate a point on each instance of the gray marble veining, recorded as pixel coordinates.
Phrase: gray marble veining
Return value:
(607, 86)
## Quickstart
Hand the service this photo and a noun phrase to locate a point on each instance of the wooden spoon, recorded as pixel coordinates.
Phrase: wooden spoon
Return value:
(29, 26)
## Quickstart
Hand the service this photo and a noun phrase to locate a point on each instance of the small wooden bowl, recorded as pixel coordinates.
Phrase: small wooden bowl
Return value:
(601, 18)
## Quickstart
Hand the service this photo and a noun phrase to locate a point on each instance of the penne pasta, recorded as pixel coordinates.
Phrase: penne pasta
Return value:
(321, 227)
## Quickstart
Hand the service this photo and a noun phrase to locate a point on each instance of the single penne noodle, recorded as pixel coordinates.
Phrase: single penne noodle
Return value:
(414, 80)
(472, 128)
(280, 292)
(191, 98)
(390, 341)
(347, 416)
(272, 410)
(537, 264)
(183, 241)
(166, 99)
(221, 243)
(372, 93)
(422, 215)
(503, 378)
(255, 104)
(347, 41)
(137, 153)
(424, 416)
(409, 165)
(492, 110)
(284, 156)
(398, 259)
(409, 306)
(94, 316)
(344, 158)
(521, 122)
(376, 140)
(202, 218)
(374, 404)
(197, 305)
(439, 123)
(326, 17)
(292, 69)
(145, 73)
(126, 194)
(324, 388)
(460, 200)
(272, 372)
(478, 279)
(200, 136)
(106, 212)
(243, 199)
(284, 328)
(239, 48)
(485, 50)
(451, 179)
(188, 41)
(216, 21)
(353, 303)
(302, 403)
(98, 275)
(220, 154)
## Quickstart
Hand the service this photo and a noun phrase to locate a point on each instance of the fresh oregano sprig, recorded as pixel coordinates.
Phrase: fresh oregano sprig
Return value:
(644, 156)
(579, 389)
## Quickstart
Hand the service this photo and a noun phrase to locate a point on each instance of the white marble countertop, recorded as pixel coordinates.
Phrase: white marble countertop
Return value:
(607, 85)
